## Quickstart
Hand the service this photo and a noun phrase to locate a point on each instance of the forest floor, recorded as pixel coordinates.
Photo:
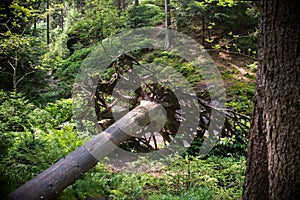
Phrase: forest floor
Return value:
(233, 67)
(239, 76)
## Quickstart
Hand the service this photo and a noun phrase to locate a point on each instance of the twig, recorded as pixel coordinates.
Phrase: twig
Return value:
(24, 77)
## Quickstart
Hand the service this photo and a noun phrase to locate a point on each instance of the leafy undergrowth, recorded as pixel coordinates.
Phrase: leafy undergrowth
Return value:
(183, 178)
(44, 135)
(239, 74)
(32, 138)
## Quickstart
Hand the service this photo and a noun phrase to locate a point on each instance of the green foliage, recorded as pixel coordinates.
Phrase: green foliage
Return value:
(213, 174)
(173, 61)
(240, 97)
(144, 15)
(235, 145)
(33, 152)
(192, 194)
(100, 181)
(234, 18)
(14, 110)
(20, 48)
(64, 76)
(15, 14)
(53, 59)
(37, 138)
(183, 178)
(101, 20)
(212, 20)
(253, 67)
(20, 56)
(246, 44)
(54, 115)
(240, 22)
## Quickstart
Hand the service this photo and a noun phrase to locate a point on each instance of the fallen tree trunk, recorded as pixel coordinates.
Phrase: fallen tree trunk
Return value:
(49, 183)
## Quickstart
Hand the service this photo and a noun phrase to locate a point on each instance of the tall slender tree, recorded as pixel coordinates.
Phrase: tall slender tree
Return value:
(48, 21)
(273, 165)
(136, 2)
(168, 13)
(167, 22)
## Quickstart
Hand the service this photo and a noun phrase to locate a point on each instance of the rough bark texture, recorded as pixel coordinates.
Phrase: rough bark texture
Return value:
(256, 182)
(48, 184)
(273, 166)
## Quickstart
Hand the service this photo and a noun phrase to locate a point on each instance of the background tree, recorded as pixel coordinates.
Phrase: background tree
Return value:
(48, 21)
(273, 159)
(20, 47)
(167, 22)
(136, 2)
(168, 13)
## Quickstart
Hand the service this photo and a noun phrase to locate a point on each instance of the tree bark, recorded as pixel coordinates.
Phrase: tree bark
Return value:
(168, 13)
(49, 183)
(273, 165)
(62, 16)
(167, 23)
(136, 2)
(48, 21)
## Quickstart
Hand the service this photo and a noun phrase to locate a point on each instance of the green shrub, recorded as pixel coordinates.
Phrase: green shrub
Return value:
(35, 138)
(183, 178)
(64, 76)
(144, 15)
(14, 110)
(101, 20)
(192, 194)
(240, 97)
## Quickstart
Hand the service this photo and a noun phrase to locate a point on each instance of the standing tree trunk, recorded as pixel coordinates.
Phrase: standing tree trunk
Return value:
(62, 16)
(273, 165)
(168, 13)
(48, 21)
(203, 29)
(167, 23)
(136, 2)
(119, 6)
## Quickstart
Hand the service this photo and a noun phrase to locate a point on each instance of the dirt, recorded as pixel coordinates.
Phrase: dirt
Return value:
(235, 65)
